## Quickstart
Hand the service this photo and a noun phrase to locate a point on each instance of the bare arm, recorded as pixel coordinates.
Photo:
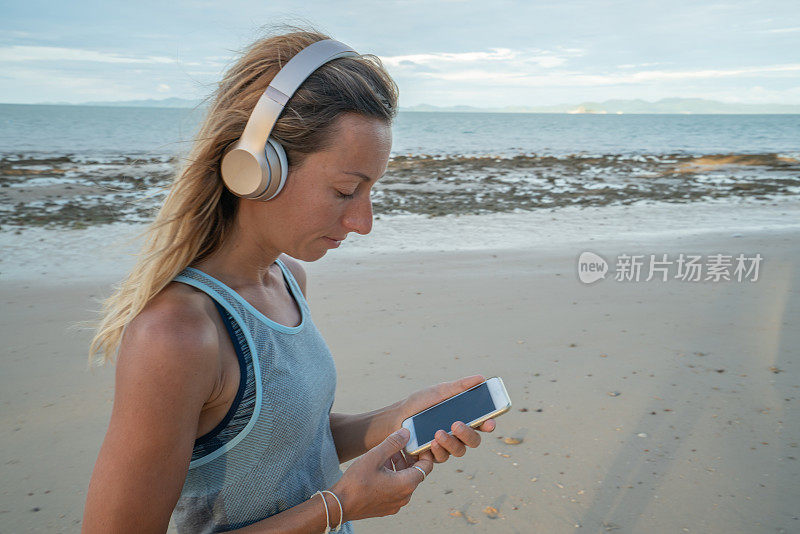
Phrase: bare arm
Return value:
(165, 372)
(306, 517)
(355, 434)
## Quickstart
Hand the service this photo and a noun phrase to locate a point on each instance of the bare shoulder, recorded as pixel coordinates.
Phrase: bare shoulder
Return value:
(297, 270)
(174, 333)
(166, 371)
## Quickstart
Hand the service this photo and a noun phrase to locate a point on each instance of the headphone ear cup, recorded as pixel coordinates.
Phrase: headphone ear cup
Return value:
(278, 165)
(245, 173)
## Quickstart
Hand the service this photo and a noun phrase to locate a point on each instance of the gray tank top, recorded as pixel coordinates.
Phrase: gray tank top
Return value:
(274, 448)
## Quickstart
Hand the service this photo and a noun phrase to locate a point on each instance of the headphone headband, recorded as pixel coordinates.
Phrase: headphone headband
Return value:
(250, 168)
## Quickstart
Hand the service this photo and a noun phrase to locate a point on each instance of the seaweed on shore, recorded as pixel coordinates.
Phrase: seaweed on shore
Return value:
(68, 191)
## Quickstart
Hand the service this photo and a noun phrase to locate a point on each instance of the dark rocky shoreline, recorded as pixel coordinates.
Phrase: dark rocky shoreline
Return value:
(76, 192)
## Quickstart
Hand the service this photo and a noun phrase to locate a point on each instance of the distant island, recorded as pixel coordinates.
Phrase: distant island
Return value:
(687, 106)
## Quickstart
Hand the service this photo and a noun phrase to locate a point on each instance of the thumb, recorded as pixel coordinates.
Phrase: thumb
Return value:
(392, 444)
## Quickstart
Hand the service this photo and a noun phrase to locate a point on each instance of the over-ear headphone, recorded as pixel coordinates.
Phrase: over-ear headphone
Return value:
(255, 166)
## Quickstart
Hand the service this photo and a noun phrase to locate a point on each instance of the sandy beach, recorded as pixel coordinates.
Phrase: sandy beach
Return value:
(660, 406)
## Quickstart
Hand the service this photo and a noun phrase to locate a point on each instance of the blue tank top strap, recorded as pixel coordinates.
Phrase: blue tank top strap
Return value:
(241, 409)
(242, 325)
(248, 310)
(294, 286)
(227, 297)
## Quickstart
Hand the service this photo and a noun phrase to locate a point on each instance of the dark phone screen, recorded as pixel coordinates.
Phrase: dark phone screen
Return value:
(465, 407)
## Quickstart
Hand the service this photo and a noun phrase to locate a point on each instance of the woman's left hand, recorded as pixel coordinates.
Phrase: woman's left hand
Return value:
(462, 436)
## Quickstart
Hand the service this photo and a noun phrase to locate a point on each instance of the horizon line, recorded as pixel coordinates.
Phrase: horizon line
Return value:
(584, 107)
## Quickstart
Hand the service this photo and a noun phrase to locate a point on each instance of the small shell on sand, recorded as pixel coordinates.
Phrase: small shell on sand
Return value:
(491, 512)
(457, 513)
(512, 441)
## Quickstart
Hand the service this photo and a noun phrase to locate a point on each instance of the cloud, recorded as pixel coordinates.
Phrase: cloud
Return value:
(661, 75)
(162, 88)
(635, 65)
(58, 84)
(783, 30)
(15, 34)
(449, 60)
(496, 54)
(18, 53)
(756, 95)
(512, 77)
(417, 67)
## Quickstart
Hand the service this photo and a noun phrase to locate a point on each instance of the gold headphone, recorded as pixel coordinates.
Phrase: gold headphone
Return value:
(255, 166)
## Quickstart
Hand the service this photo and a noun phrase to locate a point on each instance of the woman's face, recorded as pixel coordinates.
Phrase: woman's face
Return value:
(329, 195)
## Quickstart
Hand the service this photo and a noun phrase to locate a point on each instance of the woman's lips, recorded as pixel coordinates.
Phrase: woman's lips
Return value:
(333, 243)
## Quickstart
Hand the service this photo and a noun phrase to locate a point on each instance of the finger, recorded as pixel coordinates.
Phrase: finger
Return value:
(439, 454)
(426, 464)
(409, 460)
(468, 436)
(488, 426)
(427, 455)
(448, 389)
(399, 461)
(411, 474)
(389, 465)
(393, 443)
(451, 444)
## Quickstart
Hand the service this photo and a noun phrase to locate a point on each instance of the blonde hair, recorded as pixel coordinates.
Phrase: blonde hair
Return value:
(198, 213)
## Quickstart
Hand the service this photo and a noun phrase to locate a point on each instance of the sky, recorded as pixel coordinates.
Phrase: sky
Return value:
(476, 53)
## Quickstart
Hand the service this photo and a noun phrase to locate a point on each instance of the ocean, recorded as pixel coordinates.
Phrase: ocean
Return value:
(93, 131)
(75, 166)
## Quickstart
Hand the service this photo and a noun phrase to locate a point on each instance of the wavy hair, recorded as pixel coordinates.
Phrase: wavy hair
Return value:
(198, 212)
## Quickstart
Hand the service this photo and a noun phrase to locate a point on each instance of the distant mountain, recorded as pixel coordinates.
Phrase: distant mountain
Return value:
(610, 107)
(665, 105)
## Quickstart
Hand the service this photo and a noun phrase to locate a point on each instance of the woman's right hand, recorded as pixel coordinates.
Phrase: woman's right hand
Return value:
(368, 489)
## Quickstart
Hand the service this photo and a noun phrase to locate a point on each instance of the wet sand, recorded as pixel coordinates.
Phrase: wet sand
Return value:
(638, 407)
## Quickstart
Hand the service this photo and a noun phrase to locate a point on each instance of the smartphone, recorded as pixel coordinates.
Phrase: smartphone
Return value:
(473, 406)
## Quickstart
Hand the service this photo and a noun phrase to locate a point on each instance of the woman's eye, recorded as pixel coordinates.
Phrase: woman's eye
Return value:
(345, 195)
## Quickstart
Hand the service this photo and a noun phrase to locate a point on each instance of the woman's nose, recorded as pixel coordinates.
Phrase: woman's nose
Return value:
(358, 217)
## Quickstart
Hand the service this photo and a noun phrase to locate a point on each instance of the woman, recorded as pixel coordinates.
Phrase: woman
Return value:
(224, 386)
